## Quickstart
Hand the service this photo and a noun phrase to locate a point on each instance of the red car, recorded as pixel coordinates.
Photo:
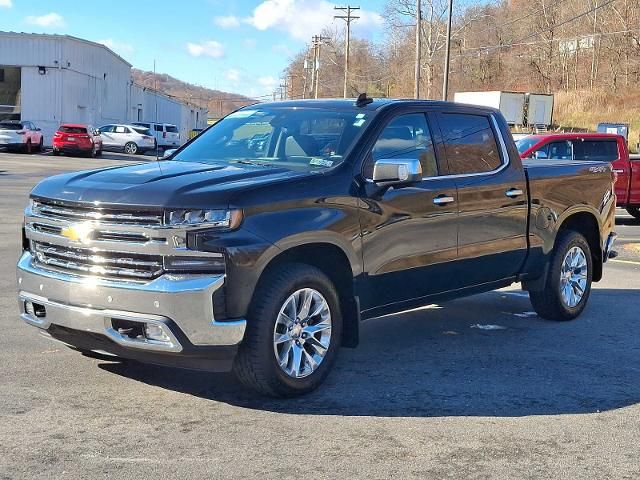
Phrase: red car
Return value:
(591, 146)
(77, 139)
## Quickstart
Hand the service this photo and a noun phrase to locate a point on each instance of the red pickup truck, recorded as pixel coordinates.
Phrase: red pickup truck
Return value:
(591, 146)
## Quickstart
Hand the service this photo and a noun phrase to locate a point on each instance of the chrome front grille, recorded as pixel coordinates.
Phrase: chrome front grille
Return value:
(103, 242)
(103, 264)
(106, 216)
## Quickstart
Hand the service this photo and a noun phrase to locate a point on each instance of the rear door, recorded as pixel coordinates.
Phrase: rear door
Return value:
(607, 150)
(492, 197)
(408, 234)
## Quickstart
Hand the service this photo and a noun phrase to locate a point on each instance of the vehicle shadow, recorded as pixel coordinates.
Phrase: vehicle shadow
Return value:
(436, 362)
(627, 221)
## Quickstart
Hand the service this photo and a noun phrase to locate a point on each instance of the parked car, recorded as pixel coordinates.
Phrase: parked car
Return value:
(131, 139)
(591, 146)
(23, 136)
(77, 139)
(264, 260)
(195, 132)
(166, 134)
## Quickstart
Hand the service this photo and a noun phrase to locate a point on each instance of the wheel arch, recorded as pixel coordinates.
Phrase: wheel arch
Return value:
(334, 262)
(586, 223)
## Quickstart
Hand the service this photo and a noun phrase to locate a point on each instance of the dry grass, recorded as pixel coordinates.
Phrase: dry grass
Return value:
(588, 108)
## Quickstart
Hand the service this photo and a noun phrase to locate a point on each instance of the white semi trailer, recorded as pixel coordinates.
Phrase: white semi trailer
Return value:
(510, 104)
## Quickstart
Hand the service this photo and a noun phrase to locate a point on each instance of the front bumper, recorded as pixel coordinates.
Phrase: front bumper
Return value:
(181, 304)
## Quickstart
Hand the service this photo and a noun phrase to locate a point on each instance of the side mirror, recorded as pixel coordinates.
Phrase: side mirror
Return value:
(388, 172)
(169, 153)
(540, 155)
(38, 129)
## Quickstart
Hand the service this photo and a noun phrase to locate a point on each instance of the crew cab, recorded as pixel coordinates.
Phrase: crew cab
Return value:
(263, 257)
(77, 139)
(603, 147)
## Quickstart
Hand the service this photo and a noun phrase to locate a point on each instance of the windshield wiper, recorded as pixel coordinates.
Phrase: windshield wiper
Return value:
(249, 162)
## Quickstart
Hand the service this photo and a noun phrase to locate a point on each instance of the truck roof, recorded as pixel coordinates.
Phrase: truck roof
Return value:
(376, 104)
(569, 135)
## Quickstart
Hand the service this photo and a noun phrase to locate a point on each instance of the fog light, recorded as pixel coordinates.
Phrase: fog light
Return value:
(156, 332)
(28, 307)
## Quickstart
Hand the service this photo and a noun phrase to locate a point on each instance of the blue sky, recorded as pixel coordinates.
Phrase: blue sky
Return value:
(232, 45)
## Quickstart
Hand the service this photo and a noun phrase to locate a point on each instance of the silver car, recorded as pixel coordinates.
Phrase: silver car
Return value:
(129, 139)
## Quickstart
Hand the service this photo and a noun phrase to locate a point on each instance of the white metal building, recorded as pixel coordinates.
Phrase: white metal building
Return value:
(53, 79)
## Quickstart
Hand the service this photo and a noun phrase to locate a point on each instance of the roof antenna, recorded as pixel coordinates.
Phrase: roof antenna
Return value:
(363, 100)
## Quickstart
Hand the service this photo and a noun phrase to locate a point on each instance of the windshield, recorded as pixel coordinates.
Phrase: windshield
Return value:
(297, 138)
(525, 144)
(10, 126)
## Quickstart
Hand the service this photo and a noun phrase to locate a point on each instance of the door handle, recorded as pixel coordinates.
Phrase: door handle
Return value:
(443, 200)
(513, 192)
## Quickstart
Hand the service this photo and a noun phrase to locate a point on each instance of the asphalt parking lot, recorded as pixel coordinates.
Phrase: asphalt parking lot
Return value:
(425, 395)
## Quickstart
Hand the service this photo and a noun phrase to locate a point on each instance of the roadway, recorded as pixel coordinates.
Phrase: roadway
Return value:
(427, 394)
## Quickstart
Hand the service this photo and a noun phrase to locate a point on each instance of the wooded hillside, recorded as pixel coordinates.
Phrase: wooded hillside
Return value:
(587, 52)
(219, 103)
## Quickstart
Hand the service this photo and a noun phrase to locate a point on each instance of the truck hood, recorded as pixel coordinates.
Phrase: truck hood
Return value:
(162, 184)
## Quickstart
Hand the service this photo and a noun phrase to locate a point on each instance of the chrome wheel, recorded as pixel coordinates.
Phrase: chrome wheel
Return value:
(302, 333)
(573, 277)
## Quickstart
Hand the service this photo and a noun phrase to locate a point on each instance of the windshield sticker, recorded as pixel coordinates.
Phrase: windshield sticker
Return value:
(242, 113)
(359, 122)
(321, 162)
(360, 115)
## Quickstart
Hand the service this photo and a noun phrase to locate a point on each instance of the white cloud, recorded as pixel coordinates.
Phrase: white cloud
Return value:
(229, 21)
(303, 18)
(6, 4)
(209, 48)
(268, 82)
(118, 47)
(232, 75)
(49, 20)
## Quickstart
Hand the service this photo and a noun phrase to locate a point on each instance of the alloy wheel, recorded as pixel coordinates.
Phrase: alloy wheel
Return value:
(573, 277)
(302, 333)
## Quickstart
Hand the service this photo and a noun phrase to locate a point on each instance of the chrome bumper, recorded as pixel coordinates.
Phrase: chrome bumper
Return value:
(87, 304)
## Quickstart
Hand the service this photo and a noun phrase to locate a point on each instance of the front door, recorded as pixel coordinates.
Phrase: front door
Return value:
(492, 198)
(408, 233)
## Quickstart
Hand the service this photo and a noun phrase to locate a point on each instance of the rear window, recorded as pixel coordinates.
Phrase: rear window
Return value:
(73, 130)
(172, 129)
(600, 150)
(10, 126)
(470, 143)
(142, 130)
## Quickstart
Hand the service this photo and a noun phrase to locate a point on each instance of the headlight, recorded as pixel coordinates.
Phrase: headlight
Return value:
(227, 219)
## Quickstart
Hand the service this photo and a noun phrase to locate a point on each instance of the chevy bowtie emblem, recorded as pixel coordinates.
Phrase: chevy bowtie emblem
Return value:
(78, 233)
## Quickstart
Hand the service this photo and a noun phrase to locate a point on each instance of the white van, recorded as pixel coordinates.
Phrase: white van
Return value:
(167, 135)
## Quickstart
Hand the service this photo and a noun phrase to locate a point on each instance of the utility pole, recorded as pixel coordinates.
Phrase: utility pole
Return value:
(416, 88)
(318, 41)
(447, 56)
(347, 18)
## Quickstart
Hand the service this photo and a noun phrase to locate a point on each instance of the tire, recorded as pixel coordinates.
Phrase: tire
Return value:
(256, 365)
(28, 148)
(551, 303)
(131, 148)
(55, 152)
(99, 153)
(41, 145)
(634, 212)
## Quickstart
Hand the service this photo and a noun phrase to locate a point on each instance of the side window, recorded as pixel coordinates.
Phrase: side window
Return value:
(120, 129)
(558, 150)
(470, 143)
(157, 128)
(601, 150)
(406, 137)
(106, 129)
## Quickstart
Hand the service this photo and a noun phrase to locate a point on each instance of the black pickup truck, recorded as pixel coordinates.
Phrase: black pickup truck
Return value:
(260, 245)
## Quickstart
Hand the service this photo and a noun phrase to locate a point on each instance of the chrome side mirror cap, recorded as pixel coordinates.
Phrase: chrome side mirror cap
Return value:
(168, 153)
(388, 172)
